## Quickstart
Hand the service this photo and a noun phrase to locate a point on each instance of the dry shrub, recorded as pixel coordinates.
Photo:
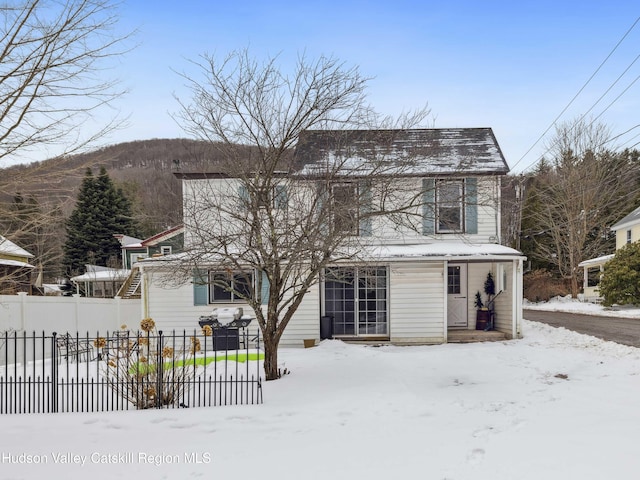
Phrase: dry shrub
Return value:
(541, 285)
(148, 372)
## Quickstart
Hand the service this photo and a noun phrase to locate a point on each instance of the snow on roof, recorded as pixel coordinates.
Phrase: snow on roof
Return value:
(596, 261)
(409, 152)
(15, 263)
(440, 250)
(632, 219)
(10, 248)
(102, 275)
(159, 237)
(431, 251)
(128, 242)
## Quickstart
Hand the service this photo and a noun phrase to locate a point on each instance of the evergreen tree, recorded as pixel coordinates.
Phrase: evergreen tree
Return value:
(621, 280)
(101, 211)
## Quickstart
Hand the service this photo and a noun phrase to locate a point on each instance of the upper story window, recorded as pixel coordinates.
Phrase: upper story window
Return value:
(449, 206)
(628, 236)
(344, 206)
(165, 250)
(274, 198)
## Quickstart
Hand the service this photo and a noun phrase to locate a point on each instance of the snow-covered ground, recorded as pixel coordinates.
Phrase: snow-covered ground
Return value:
(554, 405)
(567, 304)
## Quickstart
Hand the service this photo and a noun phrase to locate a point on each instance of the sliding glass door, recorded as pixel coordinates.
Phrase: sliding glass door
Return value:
(356, 298)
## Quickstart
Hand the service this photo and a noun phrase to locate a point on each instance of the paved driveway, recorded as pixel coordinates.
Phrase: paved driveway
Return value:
(621, 330)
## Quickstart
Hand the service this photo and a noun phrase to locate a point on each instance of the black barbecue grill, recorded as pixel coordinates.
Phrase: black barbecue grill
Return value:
(226, 336)
(209, 320)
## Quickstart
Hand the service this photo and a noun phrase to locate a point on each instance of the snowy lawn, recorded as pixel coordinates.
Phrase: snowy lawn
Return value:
(554, 405)
(567, 304)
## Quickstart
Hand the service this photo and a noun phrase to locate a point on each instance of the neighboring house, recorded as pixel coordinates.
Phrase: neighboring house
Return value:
(627, 231)
(124, 282)
(164, 243)
(15, 269)
(168, 242)
(412, 286)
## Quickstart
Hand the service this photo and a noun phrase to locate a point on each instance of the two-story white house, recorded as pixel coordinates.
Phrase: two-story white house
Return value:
(411, 282)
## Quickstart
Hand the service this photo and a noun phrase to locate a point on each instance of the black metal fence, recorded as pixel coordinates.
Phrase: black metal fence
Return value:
(123, 370)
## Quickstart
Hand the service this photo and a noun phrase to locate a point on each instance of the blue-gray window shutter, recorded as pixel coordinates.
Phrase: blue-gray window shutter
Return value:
(471, 205)
(243, 197)
(264, 291)
(366, 224)
(200, 287)
(428, 206)
(281, 197)
(321, 207)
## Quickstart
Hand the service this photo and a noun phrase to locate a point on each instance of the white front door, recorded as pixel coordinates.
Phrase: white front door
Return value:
(457, 295)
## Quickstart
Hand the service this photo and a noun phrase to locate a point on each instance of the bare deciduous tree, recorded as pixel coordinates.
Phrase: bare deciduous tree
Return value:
(264, 213)
(585, 190)
(52, 77)
(54, 57)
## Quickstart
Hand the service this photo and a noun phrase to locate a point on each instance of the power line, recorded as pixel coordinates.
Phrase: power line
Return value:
(579, 92)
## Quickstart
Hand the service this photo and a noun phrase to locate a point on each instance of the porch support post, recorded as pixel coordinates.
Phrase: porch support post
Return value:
(516, 281)
(445, 320)
(144, 293)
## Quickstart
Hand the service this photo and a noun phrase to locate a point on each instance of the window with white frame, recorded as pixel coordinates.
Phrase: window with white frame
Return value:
(165, 250)
(230, 287)
(628, 236)
(450, 206)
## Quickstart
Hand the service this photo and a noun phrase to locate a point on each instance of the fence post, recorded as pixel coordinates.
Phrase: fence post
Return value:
(77, 310)
(23, 310)
(160, 372)
(53, 392)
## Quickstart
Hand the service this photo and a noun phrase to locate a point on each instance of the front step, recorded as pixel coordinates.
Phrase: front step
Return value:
(471, 336)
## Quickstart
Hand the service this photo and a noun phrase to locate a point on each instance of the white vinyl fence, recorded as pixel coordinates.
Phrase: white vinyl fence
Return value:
(28, 313)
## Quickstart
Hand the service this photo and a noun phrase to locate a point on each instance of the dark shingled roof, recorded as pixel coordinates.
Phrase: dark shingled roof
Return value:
(442, 151)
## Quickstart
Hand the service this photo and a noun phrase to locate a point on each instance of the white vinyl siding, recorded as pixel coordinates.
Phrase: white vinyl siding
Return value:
(417, 303)
(172, 308)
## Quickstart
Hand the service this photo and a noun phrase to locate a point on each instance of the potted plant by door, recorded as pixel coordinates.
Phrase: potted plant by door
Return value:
(483, 315)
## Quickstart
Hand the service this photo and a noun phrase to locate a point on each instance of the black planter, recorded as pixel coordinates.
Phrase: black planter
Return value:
(483, 317)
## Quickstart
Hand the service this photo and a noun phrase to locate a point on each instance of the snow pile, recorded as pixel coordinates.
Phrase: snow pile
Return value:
(572, 305)
(555, 405)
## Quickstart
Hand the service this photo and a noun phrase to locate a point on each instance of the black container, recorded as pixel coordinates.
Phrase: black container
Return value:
(225, 338)
(326, 327)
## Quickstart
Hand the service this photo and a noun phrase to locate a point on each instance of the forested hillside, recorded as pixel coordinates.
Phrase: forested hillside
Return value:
(37, 198)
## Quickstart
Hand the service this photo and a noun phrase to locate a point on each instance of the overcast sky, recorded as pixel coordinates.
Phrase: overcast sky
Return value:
(510, 65)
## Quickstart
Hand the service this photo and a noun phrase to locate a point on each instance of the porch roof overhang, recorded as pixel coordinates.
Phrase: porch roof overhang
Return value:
(436, 251)
(441, 251)
(15, 263)
(593, 262)
(102, 276)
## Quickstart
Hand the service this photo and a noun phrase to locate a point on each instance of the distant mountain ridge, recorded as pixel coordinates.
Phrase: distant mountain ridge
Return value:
(144, 169)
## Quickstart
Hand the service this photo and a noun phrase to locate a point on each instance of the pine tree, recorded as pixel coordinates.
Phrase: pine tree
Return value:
(101, 211)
